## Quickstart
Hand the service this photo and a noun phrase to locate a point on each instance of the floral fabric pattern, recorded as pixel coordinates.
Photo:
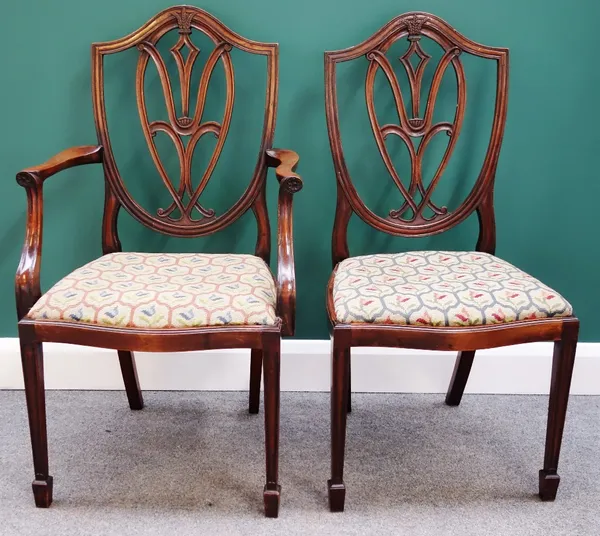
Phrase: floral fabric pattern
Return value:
(440, 288)
(164, 290)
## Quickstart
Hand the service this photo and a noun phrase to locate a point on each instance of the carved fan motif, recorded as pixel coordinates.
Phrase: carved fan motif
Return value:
(413, 125)
(185, 197)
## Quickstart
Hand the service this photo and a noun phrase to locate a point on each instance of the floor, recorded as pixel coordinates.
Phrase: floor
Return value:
(193, 463)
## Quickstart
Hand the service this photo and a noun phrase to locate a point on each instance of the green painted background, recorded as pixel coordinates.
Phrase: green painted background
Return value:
(547, 183)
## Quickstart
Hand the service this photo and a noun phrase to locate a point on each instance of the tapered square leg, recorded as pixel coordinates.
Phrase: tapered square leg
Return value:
(340, 369)
(32, 359)
(256, 359)
(563, 361)
(271, 367)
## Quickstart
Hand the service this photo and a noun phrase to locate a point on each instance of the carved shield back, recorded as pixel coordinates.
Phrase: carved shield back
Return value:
(415, 125)
(184, 124)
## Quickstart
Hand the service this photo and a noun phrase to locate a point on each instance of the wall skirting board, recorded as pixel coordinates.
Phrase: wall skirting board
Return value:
(521, 369)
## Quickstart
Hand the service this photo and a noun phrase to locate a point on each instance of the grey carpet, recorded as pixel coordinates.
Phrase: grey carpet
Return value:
(193, 463)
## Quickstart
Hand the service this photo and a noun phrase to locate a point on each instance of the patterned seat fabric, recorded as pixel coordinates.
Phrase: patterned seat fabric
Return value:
(440, 288)
(151, 290)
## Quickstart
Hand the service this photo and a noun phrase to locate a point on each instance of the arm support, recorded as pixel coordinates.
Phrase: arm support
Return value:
(285, 162)
(27, 280)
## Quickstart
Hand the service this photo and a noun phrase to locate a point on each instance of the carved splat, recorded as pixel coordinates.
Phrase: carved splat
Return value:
(418, 215)
(178, 127)
(185, 198)
(412, 125)
(185, 215)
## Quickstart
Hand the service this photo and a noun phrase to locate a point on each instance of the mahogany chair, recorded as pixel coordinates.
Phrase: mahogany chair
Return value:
(459, 301)
(167, 302)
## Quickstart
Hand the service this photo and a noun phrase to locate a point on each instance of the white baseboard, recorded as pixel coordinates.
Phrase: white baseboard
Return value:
(521, 369)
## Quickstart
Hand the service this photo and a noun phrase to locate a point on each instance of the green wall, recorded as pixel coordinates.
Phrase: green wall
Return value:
(547, 185)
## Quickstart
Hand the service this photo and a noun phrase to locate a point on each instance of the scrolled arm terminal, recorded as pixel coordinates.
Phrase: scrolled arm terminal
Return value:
(285, 161)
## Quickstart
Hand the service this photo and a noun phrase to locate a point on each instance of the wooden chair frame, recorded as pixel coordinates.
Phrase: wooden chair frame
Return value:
(464, 340)
(264, 341)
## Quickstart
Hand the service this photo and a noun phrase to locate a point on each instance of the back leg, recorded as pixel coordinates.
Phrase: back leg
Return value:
(462, 368)
(130, 378)
(256, 359)
(349, 403)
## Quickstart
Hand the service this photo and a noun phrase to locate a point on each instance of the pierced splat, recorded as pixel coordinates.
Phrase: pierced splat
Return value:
(185, 125)
(413, 126)
(177, 127)
(418, 215)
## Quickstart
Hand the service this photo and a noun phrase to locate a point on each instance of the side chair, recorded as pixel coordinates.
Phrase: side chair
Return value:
(460, 301)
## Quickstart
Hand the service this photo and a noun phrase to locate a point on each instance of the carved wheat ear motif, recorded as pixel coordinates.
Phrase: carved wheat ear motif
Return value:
(415, 26)
(184, 20)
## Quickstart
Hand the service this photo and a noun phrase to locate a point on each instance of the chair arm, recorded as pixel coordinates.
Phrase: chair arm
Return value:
(75, 156)
(27, 279)
(285, 161)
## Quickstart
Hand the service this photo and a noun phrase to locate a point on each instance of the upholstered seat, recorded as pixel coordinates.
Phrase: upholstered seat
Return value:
(440, 288)
(160, 290)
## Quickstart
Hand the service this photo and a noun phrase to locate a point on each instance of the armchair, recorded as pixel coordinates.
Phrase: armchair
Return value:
(181, 302)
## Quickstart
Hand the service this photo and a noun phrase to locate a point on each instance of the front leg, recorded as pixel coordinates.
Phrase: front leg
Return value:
(271, 367)
(562, 371)
(340, 358)
(33, 373)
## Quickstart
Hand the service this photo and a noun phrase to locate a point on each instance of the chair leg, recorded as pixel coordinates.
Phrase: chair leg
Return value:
(462, 368)
(130, 379)
(349, 403)
(256, 358)
(340, 370)
(32, 358)
(562, 370)
(271, 367)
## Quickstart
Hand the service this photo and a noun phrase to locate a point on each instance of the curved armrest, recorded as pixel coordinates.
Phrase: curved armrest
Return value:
(75, 156)
(27, 280)
(285, 161)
